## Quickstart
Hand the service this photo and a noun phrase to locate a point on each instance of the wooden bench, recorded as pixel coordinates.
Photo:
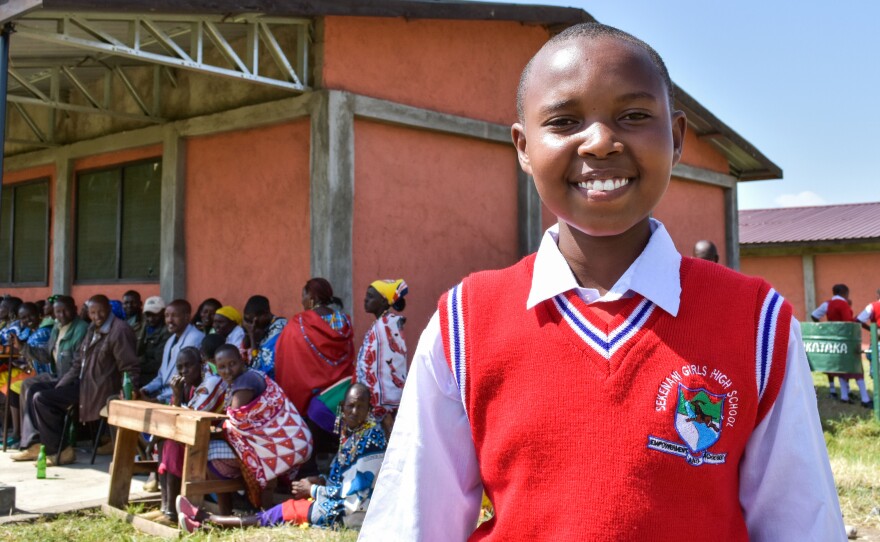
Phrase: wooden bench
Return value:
(189, 427)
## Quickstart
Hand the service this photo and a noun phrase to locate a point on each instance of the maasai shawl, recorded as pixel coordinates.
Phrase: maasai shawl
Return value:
(263, 358)
(312, 356)
(35, 338)
(269, 437)
(209, 395)
(381, 363)
(352, 478)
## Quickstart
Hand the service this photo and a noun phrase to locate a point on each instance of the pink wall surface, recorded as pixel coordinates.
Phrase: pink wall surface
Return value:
(24, 175)
(702, 154)
(468, 68)
(785, 273)
(432, 211)
(247, 216)
(693, 211)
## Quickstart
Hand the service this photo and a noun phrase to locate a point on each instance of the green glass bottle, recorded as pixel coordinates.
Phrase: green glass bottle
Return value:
(127, 386)
(41, 463)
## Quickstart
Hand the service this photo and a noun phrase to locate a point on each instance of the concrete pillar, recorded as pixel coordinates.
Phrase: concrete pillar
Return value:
(62, 224)
(809, 285)
(331, 191)
(731, 226)
(172, 251)
(528, 213)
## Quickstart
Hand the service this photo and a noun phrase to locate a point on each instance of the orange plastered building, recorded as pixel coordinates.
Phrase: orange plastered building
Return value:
(191, 149)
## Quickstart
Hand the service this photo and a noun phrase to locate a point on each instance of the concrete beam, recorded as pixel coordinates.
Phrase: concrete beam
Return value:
(331, 191)
(528, 213)
(172, 251)
(62, 225)
(248, 116)
(702, 175)
(731, 227)
(809, 284)
(416, 117)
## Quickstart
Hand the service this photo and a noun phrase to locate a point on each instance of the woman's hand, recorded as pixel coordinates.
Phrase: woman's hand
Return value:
(177, 384)
(301, 489)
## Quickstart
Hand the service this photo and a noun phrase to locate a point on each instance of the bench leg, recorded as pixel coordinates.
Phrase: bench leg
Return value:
(122, 467)
(195, 463)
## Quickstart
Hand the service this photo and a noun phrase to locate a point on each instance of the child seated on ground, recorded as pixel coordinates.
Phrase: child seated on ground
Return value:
(683, 423)
(340, 499)
(196, 387)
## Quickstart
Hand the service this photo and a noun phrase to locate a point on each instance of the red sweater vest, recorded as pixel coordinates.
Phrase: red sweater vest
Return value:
(839, 311)
(614, 421)
(875, 312)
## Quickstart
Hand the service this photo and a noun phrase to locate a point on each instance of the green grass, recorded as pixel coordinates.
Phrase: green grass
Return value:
(94, 526)
(853, 439)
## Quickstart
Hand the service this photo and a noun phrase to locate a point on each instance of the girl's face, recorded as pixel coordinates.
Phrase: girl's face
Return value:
(356, 408)
(229, 366)
(190, 369)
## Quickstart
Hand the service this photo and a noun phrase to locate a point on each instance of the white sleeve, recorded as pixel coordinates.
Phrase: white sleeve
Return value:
(820, 311)
(429, 487)
(786, 487)
(865, 316)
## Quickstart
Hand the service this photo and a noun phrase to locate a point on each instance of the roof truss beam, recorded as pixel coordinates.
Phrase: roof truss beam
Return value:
(206, 34)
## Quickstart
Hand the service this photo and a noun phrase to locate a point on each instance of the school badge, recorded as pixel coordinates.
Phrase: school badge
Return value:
(698, 420)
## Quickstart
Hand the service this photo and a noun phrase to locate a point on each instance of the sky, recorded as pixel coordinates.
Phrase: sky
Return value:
(786, 75)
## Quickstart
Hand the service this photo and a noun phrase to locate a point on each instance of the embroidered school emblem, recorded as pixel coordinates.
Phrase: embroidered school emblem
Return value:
(698, 421)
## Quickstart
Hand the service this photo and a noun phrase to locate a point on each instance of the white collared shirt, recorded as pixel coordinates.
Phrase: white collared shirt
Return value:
(429, 487)
(865, 316)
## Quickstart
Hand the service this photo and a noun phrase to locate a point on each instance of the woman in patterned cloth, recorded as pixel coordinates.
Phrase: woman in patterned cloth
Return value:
(264, 435)
(339, 499)
(381, 362)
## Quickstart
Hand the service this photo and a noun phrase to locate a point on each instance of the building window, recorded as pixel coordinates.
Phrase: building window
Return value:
(118, 223)
(24, 233)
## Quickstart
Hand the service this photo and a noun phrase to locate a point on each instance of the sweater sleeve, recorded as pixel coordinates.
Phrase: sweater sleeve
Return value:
(429, 485)
(787, 489)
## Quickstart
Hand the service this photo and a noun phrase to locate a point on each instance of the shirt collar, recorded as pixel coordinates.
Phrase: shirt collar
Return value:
(655, 274)
(105, 327)
(838, 297)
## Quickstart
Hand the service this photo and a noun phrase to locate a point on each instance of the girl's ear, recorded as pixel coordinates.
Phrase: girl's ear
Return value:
(679, 128)
(518, 133)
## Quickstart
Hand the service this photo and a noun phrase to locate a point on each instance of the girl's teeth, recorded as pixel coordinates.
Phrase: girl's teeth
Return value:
(604, 186)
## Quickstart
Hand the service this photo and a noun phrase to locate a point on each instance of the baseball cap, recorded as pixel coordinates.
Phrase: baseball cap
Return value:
(154, 304)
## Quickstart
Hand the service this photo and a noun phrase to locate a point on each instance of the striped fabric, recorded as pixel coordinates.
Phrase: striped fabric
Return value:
(765, 338)
(455, 321)
(604, 344)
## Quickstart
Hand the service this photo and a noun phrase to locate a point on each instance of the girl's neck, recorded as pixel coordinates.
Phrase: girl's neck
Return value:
(599, 262)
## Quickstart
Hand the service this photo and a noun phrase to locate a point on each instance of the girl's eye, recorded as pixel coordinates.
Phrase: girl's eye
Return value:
(636, 116)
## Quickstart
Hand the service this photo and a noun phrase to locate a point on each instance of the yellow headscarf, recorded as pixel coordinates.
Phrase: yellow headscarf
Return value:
(391, 290)
(230, 313)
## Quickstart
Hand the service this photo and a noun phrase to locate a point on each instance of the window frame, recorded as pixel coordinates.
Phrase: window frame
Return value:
(119, 206)
(12, 283)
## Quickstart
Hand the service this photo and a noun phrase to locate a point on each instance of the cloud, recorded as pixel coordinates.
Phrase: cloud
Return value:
(801, 199)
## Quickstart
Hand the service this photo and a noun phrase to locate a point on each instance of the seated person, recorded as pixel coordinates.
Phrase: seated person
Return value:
(209, 347)
(262, 329)
(196, 387)
(203, 319)
(182, 334)
(152, 338)
(107, 352)
(265, 436)
(227, 324)
(64, 341)
(29, 335)
(340, 499)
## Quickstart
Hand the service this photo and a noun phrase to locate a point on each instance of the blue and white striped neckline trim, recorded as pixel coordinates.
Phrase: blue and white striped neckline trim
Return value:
(605, 344)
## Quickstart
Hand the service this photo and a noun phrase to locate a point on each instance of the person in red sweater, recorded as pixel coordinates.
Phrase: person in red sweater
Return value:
(839, 309)
(642, 417)
(871, 314)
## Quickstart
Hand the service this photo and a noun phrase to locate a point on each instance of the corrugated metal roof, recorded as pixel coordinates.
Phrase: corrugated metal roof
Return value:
(803, 224)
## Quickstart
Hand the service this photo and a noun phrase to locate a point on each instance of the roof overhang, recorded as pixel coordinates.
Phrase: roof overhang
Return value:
(81, 41)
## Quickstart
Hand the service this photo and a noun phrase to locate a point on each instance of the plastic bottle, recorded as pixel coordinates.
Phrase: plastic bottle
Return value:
(126, 386)
(41, 463)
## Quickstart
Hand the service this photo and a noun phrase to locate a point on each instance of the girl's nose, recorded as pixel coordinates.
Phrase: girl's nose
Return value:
(599, 141)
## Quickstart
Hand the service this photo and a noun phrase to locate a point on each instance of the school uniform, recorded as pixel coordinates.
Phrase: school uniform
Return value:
(835, 309)
(630, 416)
(870, 314)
